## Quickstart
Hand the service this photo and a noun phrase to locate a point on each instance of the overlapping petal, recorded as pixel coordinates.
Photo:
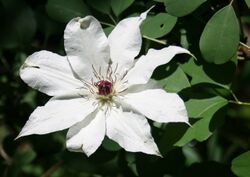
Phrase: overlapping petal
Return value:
(86, 45)
(57, 114)
(125, 41)
(49, 73)
(131, 131)
(87, 135)
(158, 105)
(144, 67)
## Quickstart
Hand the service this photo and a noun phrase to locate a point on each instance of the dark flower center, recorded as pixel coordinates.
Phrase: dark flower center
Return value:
(104, 87)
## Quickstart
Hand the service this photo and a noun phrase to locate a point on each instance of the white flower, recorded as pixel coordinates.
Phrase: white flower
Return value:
(99, 89)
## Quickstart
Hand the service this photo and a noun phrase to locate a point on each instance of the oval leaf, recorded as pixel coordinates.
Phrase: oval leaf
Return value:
(248, 3)
(158, 25)
(169, 83)
(64, 10)
(220, 38)
(118, 6)
(178, 9)
(241, 165)
(203, 128)
(102, 6)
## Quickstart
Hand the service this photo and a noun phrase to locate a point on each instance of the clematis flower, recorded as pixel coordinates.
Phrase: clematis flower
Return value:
(99, 89)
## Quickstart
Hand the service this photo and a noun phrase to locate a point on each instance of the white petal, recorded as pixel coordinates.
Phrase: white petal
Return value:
(158, 105)
(86, 45)
(125, 41)
(131, 131)
(146, 64)
(57, 114)
(88, 134)
(151, 84)
(49, 73)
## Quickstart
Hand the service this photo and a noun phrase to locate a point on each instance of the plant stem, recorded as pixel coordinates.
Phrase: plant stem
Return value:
(155, 40)
(239, 102)
(113, 20)
(107, 24)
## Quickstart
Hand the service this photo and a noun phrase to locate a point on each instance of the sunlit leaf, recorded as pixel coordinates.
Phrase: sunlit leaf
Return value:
(159, 25)
(210, 73)
(220, 38)
(201, 129)
(240, 165)
(197, 107)
(176, 81)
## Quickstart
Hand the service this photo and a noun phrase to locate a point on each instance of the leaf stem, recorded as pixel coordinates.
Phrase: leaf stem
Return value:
(237, 101)
(107, 24)
(155, 40)
(231, 2)
(112, 18)
(234, 96)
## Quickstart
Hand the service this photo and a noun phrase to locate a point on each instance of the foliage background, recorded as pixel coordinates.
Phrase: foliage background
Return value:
(215, 87)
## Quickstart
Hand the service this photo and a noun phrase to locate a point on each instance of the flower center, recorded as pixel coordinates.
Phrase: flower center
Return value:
(104, 87)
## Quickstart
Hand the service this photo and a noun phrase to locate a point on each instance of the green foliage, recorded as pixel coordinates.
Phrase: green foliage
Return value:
(209, 118)
(241, 166)
(181, 8)
(210, 85)
(102, 6)
(220, 39)
(162, 23)
(118, 6)
(63, 10)
(248, 3)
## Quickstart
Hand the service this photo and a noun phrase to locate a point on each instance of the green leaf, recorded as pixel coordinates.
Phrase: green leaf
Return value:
(118, 6)
(248, 3)
(210, 119)
(102, 6)
(159, 0)
(176, 81)
(197, 107)
(220, 39)
(159, 25)
(110, 145)
(108, 30)
(64, 10)
(210, 73)
(181, 8)
(240, 165)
